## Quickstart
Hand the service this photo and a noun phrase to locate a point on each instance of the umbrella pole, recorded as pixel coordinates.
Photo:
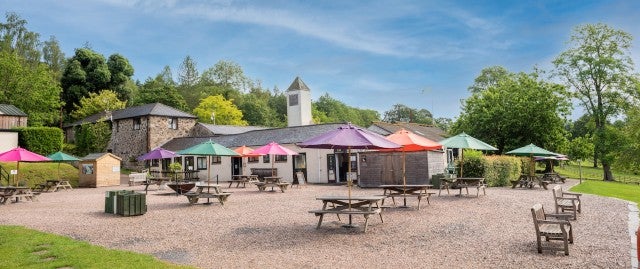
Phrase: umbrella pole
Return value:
(404, 176)
(58, 171)
(272, 161)
(17, 177)
(349, 182)
(461, 160)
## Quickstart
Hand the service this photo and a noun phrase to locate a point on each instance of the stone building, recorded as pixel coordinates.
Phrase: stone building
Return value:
(138, 130)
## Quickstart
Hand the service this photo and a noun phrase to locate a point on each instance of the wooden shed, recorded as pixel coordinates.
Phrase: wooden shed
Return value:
(11, 117)
(99, 170)
(385, 168)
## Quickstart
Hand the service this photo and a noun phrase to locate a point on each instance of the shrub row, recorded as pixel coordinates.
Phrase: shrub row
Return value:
(41, 140)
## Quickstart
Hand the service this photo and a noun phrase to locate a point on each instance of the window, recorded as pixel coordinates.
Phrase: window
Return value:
(281, 158)
(265, 159)
(293, 100)
(216, 159)
(136, 123)
(201, 163)
(252, 159)
(173, 123)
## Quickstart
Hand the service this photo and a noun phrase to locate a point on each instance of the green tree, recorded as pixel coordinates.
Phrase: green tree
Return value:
(162, 91)
(581, 148)
(188, 80)
(227, 74)
(33, 89)
(53, 56)
(106, 100)
(85, 72)
(121, 72)
(597, 67)
(92, 137)
(256, 110)
(403, 113)
(518, 110)
(628, 155)
(489, 77)
(16, 38)
(443, 123)
(223, 111)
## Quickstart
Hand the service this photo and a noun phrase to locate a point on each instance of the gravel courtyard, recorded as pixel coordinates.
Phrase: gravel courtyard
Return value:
(272, 229)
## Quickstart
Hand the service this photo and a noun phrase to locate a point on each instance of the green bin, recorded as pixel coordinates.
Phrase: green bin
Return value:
(131, 204)
(125, 203)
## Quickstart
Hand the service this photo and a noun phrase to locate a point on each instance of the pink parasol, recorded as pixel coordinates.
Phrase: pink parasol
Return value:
(273, 148)
(21, 155)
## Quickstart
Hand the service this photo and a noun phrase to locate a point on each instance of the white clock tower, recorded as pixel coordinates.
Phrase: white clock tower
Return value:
(298, 104)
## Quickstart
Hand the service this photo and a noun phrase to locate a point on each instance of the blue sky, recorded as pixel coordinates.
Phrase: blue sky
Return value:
(368, 54)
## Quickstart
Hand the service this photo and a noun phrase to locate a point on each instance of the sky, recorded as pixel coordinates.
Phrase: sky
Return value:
(368, 54)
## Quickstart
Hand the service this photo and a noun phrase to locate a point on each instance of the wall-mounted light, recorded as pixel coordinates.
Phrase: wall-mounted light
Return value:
(364, 159)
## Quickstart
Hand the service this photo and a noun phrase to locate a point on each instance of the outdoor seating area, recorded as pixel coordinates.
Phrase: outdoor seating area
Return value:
(53, 185)
(490, 232)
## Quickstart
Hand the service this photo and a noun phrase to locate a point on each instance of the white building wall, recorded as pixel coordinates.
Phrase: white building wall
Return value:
(8, 141)
(300, 114)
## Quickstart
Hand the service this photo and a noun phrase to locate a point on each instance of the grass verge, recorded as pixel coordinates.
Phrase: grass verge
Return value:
(25, 248)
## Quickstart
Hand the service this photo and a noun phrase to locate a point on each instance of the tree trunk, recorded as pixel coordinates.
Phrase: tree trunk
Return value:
(608, 176)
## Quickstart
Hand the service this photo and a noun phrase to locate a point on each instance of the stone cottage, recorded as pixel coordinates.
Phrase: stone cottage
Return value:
(138, 130)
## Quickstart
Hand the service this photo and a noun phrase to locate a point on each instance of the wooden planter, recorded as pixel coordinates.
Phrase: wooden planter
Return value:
(181, 188)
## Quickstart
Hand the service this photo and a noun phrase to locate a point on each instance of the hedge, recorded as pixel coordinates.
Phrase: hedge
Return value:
(41, 140)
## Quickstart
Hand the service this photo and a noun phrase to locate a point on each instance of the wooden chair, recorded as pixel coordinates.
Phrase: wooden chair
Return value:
(558, 229)
(566, 201)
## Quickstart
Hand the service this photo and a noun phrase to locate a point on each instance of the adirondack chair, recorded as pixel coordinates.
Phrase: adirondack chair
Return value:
(552, 227)
(566, 201)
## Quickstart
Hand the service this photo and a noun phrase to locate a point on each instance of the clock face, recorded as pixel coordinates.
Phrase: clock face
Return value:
(293, 100)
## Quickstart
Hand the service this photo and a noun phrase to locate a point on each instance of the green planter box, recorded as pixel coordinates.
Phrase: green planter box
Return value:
(131, 204)
(125, 203)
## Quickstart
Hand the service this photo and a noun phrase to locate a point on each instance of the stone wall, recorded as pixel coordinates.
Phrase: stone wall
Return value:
(154, 131)
(200, 131)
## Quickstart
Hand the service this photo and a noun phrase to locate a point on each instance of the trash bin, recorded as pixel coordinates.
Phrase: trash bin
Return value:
(131, 204)
(436, 180)
(125, 203)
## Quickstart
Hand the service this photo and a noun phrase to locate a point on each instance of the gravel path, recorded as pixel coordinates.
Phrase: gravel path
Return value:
(272, 229)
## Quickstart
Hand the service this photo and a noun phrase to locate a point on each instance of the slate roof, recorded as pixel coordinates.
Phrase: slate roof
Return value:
(11, 110)
(298, 84)
(230, 129)
(95, 156)
(256, 138)
(430, 132)
(153, 109)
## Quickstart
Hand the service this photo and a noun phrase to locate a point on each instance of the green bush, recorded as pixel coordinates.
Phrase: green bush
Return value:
(473, 164)
(41, 140)
(499, 170)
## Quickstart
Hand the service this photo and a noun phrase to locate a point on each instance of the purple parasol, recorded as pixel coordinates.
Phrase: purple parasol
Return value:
(157, 153)
(349, 137)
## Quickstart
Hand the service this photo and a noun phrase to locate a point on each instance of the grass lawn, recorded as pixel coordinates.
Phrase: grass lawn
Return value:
(629, 192)
(25, 248)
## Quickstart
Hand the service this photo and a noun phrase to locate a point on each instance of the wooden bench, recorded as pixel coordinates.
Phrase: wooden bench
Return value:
(418, 195)
(193, 197)
(567, 201)
(263, 186)
(137, 178)
(339, 212)
(264, 172)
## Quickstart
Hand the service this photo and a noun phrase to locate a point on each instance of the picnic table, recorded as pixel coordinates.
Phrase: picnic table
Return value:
(404, 191)
(53, 185)
(553, 177)
(207, 191)
(158, 181)
(272, 182)
(529, 181)
(354, 205)
(18, 193)
(473, 182)
(243, 179)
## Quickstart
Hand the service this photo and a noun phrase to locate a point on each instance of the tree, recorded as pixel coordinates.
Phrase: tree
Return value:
(489, 77)
(85, 72)
(97, 102)
(16, 38)
(228, 75)
(256, 110)
(188, 79)
(628, 156)
(92, 137)
(162, 91)
(403, 113)
(33, 89)
(53, 56)
(222, 110)
(443, 123)
(518, 110)
(597, 67)
(121, 72)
